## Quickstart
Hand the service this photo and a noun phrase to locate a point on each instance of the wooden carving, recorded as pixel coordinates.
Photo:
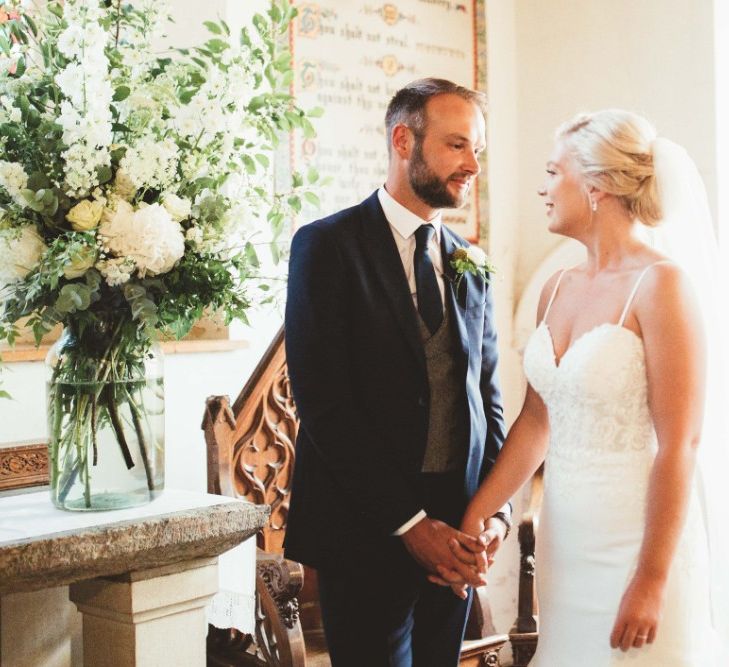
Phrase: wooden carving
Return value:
(250, 449)
(524, 633)
(23, 466)
(252, 443)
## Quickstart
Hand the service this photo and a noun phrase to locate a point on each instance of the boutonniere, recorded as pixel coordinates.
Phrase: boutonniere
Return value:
(471, 260)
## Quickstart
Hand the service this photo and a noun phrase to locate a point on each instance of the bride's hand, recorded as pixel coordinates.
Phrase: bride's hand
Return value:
(471, 525)
(639, 613)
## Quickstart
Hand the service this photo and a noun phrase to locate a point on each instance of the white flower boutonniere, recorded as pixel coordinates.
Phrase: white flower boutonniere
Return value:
(471, 260)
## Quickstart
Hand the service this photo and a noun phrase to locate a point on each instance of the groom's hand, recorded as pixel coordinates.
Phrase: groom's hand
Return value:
(428, 543)
(492, 533)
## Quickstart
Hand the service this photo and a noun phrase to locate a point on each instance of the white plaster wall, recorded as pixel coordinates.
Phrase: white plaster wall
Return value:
(655, 57)
(503, 169)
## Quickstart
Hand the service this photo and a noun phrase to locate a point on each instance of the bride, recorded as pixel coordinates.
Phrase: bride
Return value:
(617, 371)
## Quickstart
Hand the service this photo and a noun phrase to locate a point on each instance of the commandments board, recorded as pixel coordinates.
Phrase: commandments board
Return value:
(350, 57)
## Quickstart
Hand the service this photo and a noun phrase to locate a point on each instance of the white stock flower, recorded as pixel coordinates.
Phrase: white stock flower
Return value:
(148, 236)
(71, 40)
(151, 163)
(20, 252)
(232, 186)
(11, 112)
(85, 112)
(116, 271)
(194, 235)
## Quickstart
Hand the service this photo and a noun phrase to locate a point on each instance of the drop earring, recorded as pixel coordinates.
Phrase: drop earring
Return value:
(593, 205)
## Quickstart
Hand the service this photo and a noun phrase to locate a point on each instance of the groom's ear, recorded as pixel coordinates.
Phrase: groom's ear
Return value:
(402, 141)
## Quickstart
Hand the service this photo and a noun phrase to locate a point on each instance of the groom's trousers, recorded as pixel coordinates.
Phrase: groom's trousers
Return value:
(379, 609)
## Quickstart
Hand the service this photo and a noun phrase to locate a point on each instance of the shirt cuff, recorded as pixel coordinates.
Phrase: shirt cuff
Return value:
(409, 524)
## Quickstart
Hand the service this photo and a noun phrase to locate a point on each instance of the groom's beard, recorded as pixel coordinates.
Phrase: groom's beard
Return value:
(428, 186)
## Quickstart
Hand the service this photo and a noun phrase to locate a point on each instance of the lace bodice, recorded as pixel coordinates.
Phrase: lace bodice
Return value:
(597, 394)
(601, 432)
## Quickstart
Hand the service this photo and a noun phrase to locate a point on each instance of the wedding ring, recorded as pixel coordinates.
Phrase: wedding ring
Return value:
(641, 636)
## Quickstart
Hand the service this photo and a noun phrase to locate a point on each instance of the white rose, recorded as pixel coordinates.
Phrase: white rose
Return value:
(80, 263)
(178, 207)
(476, 255)
(85, 215)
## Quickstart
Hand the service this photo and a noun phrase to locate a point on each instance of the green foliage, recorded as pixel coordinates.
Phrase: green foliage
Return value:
(233, 220)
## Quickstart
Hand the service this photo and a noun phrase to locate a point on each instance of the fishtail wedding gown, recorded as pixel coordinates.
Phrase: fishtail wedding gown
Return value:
(602, 446)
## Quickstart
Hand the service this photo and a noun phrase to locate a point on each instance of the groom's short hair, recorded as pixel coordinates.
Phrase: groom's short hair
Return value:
(408, 104)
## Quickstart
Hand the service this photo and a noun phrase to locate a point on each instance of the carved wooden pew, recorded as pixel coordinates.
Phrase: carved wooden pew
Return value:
(525, 632)
(250, 447)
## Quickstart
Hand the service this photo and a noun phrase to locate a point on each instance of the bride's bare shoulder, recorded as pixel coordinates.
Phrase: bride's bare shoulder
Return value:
(667, 291)
(549, 287)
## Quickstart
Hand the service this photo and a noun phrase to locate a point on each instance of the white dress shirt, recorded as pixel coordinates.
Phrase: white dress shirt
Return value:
(403, 223)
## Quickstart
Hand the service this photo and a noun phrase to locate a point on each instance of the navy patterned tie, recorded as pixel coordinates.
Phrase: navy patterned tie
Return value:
(430, 304)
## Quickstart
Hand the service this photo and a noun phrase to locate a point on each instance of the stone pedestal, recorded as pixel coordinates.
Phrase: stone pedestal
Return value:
(153, 618)
(141, 577)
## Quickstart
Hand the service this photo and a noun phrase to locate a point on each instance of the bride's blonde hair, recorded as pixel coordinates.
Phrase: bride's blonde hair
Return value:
(612, 150)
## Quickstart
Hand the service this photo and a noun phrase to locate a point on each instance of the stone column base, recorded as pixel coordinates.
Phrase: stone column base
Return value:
(151, 618)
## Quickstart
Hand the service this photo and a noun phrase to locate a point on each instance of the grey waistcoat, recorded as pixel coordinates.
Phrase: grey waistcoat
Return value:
(448, 428)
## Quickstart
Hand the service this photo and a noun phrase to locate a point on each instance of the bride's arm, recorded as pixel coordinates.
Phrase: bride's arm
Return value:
(521, 455)
(675, 359)
(523, 451)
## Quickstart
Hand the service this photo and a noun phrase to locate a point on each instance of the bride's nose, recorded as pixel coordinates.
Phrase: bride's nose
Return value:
(542, 192)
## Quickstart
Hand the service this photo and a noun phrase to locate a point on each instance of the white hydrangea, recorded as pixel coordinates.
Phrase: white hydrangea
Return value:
(148, 236)
(14, 179)
(21, 249)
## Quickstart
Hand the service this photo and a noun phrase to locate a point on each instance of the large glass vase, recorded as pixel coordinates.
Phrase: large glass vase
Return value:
(105, 419)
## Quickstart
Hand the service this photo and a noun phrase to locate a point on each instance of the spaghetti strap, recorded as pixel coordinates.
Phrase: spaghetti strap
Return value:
(554, 293)
(634, 291)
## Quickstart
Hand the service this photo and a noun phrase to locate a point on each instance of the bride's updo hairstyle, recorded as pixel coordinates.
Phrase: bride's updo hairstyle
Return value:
(612, 151)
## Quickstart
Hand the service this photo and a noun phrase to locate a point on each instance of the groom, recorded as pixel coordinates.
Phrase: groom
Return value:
(393, 372)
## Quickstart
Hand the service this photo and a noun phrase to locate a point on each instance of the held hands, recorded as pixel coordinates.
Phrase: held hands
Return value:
(639, 613)
(491, 534)
(435, 545)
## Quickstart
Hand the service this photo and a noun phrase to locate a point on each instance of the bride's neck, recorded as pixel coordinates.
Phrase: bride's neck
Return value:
(611, 244)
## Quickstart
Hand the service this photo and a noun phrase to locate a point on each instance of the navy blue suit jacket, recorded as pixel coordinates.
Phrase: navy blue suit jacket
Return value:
(359, 379)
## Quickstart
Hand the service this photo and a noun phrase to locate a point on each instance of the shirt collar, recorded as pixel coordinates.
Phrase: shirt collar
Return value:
(402, 219)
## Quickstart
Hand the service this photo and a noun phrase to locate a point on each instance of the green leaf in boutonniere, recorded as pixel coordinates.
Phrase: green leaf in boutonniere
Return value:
(471, 260)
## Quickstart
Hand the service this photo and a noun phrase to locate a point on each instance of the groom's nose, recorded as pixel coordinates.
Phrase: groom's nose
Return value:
(471, 164)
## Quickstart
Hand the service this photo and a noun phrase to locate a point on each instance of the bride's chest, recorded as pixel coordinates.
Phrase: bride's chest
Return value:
(605, 364)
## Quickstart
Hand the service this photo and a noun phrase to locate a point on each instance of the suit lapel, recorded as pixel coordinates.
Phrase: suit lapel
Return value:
(458, 299)
(387, 266)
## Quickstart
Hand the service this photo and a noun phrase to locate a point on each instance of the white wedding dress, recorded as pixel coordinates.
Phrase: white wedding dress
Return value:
(602, 446)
